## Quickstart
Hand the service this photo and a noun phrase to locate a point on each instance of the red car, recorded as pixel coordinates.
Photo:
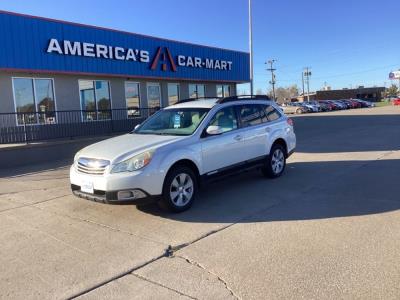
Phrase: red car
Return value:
(396, 101)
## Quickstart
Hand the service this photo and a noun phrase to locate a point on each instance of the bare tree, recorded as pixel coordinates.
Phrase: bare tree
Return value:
(285, 94)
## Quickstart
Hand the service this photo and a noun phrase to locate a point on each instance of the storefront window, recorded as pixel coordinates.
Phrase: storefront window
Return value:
(34, 100)
(95, 100)
(153, 96)
(132, 99)
(223, 90)
(196, 91)
(173, 93)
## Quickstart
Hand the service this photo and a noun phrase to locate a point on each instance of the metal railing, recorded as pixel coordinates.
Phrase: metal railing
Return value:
(36, 126)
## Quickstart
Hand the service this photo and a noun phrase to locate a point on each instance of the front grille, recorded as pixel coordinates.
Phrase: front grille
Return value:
(92, 166)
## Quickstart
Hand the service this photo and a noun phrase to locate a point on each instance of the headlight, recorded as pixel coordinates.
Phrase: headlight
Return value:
(77, 155)
(134, 163)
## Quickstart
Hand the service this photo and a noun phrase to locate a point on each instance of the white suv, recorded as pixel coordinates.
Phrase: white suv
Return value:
(172, 152)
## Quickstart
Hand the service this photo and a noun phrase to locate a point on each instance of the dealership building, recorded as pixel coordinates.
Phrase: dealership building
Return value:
(60, 79)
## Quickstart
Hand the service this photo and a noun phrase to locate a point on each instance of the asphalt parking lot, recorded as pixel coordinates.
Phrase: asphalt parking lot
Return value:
(328, 229)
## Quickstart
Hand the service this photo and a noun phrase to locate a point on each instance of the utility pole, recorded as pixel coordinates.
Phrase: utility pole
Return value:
(307, 74)
(251, 49)
(273, 81)
(302, 82)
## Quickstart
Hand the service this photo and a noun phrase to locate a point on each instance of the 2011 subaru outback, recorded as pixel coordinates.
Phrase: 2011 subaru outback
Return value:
(167, 156)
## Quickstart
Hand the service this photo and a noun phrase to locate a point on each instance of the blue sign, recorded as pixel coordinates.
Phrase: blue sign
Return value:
(42, 45)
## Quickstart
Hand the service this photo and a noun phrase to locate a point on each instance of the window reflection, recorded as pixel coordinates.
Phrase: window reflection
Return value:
(223, 90)
(132, 99)
(196, 91)
(95, 100)
(153, 96)
(34, 101)
(173, 93)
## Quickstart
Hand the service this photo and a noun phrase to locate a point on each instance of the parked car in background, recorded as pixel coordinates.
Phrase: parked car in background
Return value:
(334, 104)
(292, 108)
(361, 102)
(314, 105)
(396, 101)
(340, 104)
(325, 106)
(368, 103)
(330, 105)
(348, 104)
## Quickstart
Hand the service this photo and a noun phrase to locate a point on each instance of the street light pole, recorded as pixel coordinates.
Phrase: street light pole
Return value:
(251, 49)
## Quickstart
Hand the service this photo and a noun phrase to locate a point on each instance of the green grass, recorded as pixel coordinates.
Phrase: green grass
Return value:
(383, 103)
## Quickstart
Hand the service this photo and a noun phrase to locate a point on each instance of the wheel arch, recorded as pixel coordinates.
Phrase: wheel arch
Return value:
(187, 163)
(282, 142)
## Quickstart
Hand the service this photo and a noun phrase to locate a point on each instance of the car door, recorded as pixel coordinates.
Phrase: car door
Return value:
(226, 149)
(255, 130)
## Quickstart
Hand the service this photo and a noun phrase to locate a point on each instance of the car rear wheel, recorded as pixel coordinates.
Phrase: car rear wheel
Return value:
(276, 162)
(299, 111)
(179, 190)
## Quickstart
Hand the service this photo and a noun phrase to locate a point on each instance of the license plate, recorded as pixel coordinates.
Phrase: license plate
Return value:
(87, 187)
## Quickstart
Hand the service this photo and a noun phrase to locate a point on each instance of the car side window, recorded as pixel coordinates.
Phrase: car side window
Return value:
(271, 113)
(226, 119)
(251, 114)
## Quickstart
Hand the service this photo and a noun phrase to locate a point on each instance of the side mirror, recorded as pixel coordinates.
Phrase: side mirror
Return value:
(214, 130)
(137, 126)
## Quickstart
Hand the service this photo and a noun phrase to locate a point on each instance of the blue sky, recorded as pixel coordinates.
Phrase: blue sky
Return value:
(346, 43)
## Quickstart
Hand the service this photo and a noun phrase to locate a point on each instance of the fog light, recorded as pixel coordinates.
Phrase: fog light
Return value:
(130, 195)
(124, 195)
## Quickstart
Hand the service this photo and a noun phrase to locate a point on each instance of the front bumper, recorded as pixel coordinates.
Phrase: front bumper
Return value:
(144, 186)
(112, 197)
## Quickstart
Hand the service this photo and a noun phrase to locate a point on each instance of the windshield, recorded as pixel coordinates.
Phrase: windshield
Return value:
(182, 121)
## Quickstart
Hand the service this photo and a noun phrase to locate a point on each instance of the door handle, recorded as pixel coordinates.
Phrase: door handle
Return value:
(238, 138)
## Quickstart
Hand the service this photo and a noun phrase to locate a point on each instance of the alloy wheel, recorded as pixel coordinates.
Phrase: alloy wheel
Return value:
(181, 189)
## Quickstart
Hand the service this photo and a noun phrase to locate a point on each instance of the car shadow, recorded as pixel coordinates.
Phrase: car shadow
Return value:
(307, 191)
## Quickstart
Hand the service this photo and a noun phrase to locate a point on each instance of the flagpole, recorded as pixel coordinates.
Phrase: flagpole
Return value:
(251, 49)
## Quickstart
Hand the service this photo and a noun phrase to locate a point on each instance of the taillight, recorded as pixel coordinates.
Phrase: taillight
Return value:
(290, 121)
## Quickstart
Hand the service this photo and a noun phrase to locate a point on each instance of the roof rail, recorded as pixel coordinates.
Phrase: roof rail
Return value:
(243, 97)
(194, 99)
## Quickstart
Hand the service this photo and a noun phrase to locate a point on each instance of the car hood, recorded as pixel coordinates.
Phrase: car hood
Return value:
(122, 147)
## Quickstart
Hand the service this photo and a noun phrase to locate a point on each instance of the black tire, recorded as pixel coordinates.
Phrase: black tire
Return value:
(269, 170)
(170, 204)
(299, 111)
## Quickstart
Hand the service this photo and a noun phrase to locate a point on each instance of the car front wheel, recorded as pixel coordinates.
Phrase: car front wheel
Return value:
(179, 190)
(276, 162)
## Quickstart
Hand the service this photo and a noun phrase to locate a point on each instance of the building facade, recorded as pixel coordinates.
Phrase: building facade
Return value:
(369, 94)
(59, 76)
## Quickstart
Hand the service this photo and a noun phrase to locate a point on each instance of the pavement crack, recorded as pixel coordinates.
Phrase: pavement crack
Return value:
(161, 285)
(220, 279)
(118, 276)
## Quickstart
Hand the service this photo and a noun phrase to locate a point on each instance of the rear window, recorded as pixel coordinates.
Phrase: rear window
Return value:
(271, 113)
(251, 115)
